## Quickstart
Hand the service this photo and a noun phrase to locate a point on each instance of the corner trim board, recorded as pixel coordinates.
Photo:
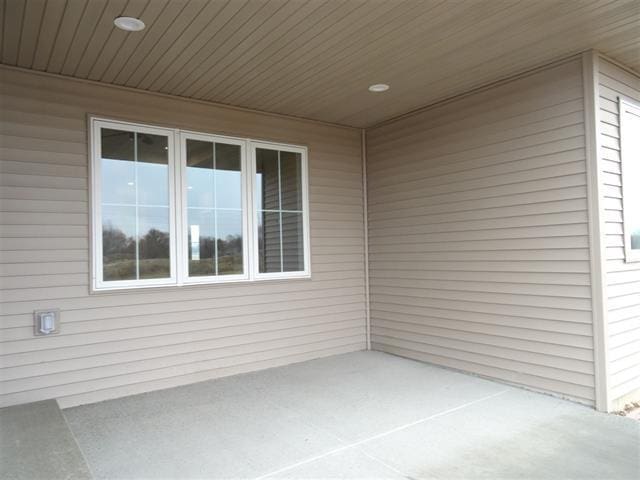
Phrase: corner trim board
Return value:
(597, 255)
(365, 215)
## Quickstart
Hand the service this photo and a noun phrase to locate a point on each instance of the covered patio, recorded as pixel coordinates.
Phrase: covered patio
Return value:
(319, 239)
(357, 415)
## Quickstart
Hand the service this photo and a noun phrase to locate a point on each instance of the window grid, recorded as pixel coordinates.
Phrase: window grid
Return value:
(135, 186)
(178, 208)
(215, 208)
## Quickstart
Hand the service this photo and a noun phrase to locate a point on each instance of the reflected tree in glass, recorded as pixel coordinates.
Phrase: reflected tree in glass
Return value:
(135, 205)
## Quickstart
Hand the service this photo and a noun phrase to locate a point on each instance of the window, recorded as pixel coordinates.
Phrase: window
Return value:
(214, 208)
(173, 207)
(630, 157)
(279, 210)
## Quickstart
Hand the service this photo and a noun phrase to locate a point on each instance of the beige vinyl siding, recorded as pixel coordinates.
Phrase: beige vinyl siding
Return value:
(478, 234)
(120, 343)
(622, 278)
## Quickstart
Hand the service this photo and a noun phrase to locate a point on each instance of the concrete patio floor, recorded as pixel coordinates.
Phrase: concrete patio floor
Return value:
(361, 415)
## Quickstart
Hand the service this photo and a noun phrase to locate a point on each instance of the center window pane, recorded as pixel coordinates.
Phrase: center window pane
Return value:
(214, 208)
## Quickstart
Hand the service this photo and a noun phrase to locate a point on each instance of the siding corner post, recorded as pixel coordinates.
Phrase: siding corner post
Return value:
(365, 214)
(590, 69)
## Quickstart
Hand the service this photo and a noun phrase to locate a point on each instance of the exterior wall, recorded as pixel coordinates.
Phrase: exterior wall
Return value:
(622, 285)
(115, 344)
(478, 234)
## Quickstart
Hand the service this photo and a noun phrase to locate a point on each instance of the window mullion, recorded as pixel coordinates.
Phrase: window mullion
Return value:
(215, 209)
(280, 212)
(135, 181)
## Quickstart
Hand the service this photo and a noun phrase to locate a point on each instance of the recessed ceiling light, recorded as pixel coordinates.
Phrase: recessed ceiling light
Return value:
(129, 24)
(379, 87)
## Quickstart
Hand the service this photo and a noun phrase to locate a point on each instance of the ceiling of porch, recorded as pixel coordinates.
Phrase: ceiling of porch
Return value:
(315, 58)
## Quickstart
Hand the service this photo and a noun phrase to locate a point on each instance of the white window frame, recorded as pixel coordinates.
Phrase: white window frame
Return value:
(179, 255)
(253, 146)
(182, 219)
(96, 221)
(627, 105)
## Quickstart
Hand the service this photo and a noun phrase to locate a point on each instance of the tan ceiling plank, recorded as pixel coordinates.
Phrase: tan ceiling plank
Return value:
(106, 33)
(278, 22)
(2, 9)
(474, 70)
(136, 43)
(440, 23)
(183, 22)
(472, 43)
(357, 40)
(173, 18)
(65, 33)
(114, 43)
(207, 21)
(204, 44)
(248, 21)
(313, 58)
(290, 27)
(629, 55)
(87, 27)
(33, 17)
(13, 21)
(482, 27)
(51, 20)
(474, 38)
(297, 36)
(334, 34)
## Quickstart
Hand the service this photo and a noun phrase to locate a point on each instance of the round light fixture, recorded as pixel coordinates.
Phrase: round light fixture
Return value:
(379, 87)
(129, 24)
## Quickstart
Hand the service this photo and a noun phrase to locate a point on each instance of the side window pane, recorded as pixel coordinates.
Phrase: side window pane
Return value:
(291, 174)
(269, 242)
(267, 189)
(630, 145)
(292, 243)
(118, 167)
(214, 208)
(135, 206)
(119, 243)
(279, 211)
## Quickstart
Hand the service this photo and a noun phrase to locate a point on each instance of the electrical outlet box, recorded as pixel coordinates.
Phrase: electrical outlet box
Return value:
(46, 322)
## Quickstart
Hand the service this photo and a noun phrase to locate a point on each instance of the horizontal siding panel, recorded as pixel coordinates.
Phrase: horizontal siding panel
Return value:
(198, 350)
(228, 366)
(622, 279)
(397, 273)
(410, 208)
(502, 356)
(540, 343)
(234, 356)
(215, 296)
(133, 341)
(486, 320)
(478, 238)
(569, 390)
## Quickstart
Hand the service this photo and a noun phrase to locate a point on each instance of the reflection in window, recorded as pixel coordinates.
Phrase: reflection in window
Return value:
(135, 205)
(279, 211)
(214, 208)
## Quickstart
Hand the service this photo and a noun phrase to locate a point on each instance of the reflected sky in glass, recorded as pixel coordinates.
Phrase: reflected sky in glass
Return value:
(214, 208)
(135, 205)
